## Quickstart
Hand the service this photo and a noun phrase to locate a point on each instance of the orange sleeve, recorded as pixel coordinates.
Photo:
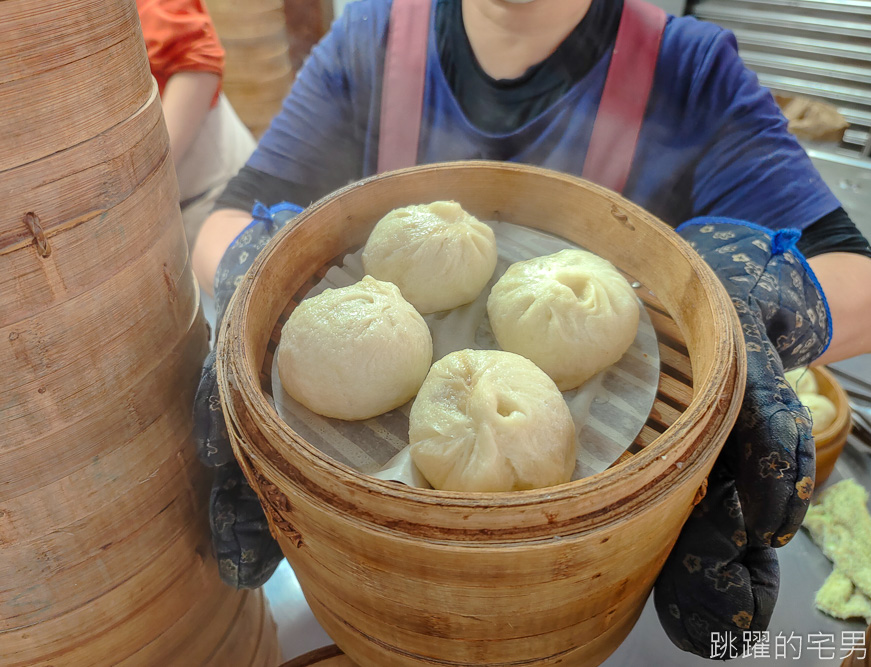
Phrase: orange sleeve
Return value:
(179, 37)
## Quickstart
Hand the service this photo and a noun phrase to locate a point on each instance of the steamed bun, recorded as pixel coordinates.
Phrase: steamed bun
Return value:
(802, 380)
(438, 255)
(486, 420)
(354, 352)
(572, 313)
(823, 411)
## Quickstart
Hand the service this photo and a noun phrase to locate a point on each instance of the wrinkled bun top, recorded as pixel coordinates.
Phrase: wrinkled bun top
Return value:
(572, 313)
(354, 352)
(487, 420)
(438, 255)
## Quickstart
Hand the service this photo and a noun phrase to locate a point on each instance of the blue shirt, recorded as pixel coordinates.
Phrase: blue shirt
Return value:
(713, 141)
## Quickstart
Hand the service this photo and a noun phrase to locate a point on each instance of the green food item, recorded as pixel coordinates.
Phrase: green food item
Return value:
(839, 523)
(838, 597)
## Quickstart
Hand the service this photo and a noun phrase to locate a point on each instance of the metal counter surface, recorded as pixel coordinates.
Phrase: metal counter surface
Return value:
(803, 567)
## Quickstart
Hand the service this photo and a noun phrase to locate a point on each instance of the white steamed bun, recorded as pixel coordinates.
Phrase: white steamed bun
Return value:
(438, 255)
(355, 352)
(572, 313)
(486, 420)
(823, 411)
(802, 380)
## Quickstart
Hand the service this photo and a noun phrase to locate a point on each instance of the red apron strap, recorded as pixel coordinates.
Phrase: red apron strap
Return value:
(403, 84)
(624, 98)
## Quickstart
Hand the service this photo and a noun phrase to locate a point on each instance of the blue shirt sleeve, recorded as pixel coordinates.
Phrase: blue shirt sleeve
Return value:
(752, 169)
(317, 141)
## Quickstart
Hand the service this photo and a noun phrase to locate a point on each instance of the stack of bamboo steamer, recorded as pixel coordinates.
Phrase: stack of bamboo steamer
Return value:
(257, 71)
(104, 545)
(307, 21)
(407, 577)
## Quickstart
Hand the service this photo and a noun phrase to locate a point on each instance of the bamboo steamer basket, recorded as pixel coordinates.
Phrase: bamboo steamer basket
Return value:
(400, 576)
(104, 546)
(328, 656)
(258, 72)
(831, 441)
(65, 77)
(307, 21)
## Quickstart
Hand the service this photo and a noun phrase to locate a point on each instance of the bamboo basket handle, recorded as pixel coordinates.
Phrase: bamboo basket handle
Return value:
(31, 220)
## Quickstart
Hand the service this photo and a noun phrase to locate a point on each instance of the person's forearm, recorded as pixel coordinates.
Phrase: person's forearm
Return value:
(217, 233)
(846, 281)
(186, 100)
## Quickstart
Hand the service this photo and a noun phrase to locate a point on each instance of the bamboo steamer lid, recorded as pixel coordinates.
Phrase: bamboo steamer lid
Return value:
(400, 576)
(105, 556)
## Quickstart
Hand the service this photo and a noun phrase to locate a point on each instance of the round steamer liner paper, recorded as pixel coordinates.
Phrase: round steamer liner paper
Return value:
(609, 409)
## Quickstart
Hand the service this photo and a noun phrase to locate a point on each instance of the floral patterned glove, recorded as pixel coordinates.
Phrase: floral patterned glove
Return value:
(246, 552)
(720, 581)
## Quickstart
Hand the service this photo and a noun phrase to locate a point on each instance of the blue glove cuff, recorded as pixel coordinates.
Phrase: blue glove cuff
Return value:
(239, 256)
(272, 218)
(782, 239)
(749, 258)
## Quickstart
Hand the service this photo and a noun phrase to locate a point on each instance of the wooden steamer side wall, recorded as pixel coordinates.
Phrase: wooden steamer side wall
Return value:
(104, 547)
(405, 577)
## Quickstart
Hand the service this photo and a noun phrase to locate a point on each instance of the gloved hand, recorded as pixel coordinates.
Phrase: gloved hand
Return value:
(722, 575)
(246, 552)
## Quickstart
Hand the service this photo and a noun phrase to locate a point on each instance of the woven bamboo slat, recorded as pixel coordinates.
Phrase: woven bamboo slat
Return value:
(65, 76)
(401, 576)
(105, 557)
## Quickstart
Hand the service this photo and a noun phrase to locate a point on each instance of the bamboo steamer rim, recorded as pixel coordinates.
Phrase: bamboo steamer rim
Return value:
(234, 360)
(331, 655)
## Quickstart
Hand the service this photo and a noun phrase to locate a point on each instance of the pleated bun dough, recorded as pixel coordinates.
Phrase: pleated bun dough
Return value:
(438, 255)
(572, 313)
(823, 411)
(486, 420)
(354, 352)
